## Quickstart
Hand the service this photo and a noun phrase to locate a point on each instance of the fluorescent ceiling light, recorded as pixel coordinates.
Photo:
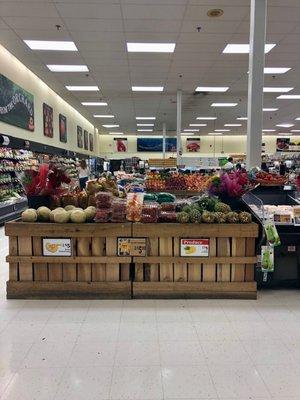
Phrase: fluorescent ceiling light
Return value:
(277, 89)
(67, 68)
(207, 118)
(232, 124)
(147, 88)
(215, 133)
(289, 97)
(151, 47)
(111, 126)
(224, 104)
(83, 88)
(144, 124)
(222, 130)
(94, 103)
(244, 48)
(51, 45)
(191, 130)
(269, 130)
(198, 125)
(297, 119)
(276, 70)
(242, 118)
(284, 133)
(295, 130)
(211, 89)
(187, 133)
(103, 116)
(285, 125)
(145, 118)
(116, 133)
(145, 130)
(270, 109)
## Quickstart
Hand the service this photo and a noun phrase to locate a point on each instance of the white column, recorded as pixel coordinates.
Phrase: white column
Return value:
(256, 82)
(164, 140)
(178, 126)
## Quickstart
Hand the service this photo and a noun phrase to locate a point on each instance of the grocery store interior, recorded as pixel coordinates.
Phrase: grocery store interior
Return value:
(149, 199)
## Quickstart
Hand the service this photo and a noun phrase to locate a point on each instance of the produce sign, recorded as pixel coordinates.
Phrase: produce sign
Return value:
(134, 247)
(194, 247)
(57, 247)
(192, 145)
(62, 128)
(120, 145)
(155, 145)
(48, 120)
(16, 105)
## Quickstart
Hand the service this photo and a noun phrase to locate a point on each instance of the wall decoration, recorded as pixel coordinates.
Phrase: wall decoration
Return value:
(86, 140)
(155, 145)
(282, 144)
(48, 120)
(171, 145)
(79, 137)
(120, 145)
(91, 141)
(62, 128)
(16, 105)
(193, 145)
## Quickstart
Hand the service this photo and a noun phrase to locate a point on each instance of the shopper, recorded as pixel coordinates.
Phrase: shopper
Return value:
(84, 173)
(229, 165)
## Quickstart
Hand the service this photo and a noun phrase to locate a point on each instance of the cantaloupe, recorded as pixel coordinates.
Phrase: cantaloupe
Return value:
(77, 216)
(61, 216)
(53, 212)
(29, 215)
(43, 214)
(90, 213)
(70, 207)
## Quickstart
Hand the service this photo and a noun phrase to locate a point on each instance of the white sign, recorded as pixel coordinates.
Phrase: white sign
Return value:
(57, 247)
(194, 247)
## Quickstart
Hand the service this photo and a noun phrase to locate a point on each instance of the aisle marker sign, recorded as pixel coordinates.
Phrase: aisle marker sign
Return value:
(194, 247)
(57, 247)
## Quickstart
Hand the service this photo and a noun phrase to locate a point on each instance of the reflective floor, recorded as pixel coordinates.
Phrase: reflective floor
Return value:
(137, 350)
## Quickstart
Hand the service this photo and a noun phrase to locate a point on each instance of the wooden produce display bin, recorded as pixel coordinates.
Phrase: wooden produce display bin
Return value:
(92, 271)
(227, 272)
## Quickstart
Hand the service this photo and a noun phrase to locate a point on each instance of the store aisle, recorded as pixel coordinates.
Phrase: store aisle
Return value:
(136, 350)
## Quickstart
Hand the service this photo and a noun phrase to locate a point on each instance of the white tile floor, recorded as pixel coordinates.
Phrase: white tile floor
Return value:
(137, 350)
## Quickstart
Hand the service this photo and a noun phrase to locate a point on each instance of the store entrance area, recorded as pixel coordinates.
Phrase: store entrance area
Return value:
(149, 349)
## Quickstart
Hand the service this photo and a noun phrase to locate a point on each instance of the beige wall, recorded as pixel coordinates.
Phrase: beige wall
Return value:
(13, 69)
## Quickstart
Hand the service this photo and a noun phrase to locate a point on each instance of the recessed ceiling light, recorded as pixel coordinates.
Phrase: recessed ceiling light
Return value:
(269, 130)
(277, 89)
(151, 47)
(191, 130)
(276, 70)
(222, 130)
(147, 88)
(67, 68)
(207, 118)
(289, 97)
(270, 109)
(244, 48)
(116, 133)
(295, 130)
(242, 118)
(94, 103)
(297, 119)
(285, 125)
(146, 118)
(51, 45)
(83, 88)
(211, 89)
(145, 130)
(103, 116)
(232, 124)
(144, 124)
(111, 126)
(187, 133)
(224, 104)
(215, 133)
(198, 125)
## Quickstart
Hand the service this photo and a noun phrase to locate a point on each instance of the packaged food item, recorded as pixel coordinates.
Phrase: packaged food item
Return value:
(134, 206)
(150, 212)
(103, 215)
(168, 207)
(118, 210)
(103, 199)
(165, 198)
(167, 216)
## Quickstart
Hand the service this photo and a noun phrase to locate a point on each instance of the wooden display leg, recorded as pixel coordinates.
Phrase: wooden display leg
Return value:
(250, 251)
(112, 270)
(13, 251)
(70, 270)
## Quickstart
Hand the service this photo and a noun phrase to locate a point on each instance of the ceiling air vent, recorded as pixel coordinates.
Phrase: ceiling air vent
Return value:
(215, 12)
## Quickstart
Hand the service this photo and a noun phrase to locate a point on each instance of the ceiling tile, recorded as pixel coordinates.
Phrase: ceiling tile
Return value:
(136, 11)
(89, 10)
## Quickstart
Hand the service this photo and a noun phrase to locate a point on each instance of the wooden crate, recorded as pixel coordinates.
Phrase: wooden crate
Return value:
(162, 163)
(227, 272)
(93, 271)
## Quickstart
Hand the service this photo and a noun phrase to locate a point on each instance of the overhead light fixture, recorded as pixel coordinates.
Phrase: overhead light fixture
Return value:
(232, 124)
(244, 48)
(211, 89)
(145, 118)
(147, 88)
(67, 68)
(191, 130)
(151, 47)
(83, 88)
(269, 130)
(297, 119)
(270, 109)
(198, 125)
(144, 124)
(206, 118)
(51, 45)
(224, 104)
(215, 133)
(116, 133)
(94, 103)
(274, 70)
(187, 133)
(103, 116)
(284, 133)
(285, 125)
(289, 97)
(295, 130)
(277, 89)
(222, 130)
(242, 118)
(145, 130)
(111, 126)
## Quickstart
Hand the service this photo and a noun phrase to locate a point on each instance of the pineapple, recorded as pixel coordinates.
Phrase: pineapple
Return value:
(232, 217)
(208, 217)
(220, 217)
(245, 217)
(222, 207)
(195, 216)
(183, 217)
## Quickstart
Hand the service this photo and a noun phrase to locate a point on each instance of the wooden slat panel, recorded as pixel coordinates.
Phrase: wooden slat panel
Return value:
(223, 270)
(91, 259)
(13, 251)
(55, 271)
(180, 268)
(40, 270)
(25, 249)
(209, 270)
(154, 267)
(98, 270)
(112, 270)
(70, 270)
(238, 248)
(139, 272)
(84, 270)
(165, 268)
(194, 272)
(250, 251)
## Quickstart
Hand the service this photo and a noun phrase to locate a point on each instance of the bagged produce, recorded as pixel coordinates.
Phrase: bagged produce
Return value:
(102, 215)
(167, 216)
(150, 212)
(82, 200)
(134, 206)
(118, 210)
(168, 206)
(165, 198)
(103, 199)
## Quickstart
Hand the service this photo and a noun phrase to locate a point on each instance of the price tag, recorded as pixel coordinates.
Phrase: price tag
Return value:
(194, 247)
(57, 247)
(134, 247)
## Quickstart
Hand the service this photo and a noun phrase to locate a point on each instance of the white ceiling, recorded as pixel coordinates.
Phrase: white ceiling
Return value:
(101, 28)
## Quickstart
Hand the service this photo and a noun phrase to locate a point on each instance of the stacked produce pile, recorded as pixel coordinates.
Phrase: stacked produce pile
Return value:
(176, 181)
(268, 179)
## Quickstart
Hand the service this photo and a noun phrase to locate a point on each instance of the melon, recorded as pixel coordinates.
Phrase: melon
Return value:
(29, 215)
(61, 216)
(70, 207)
(53, 212)
(78, 216)
(90, 213)
(43, 214)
